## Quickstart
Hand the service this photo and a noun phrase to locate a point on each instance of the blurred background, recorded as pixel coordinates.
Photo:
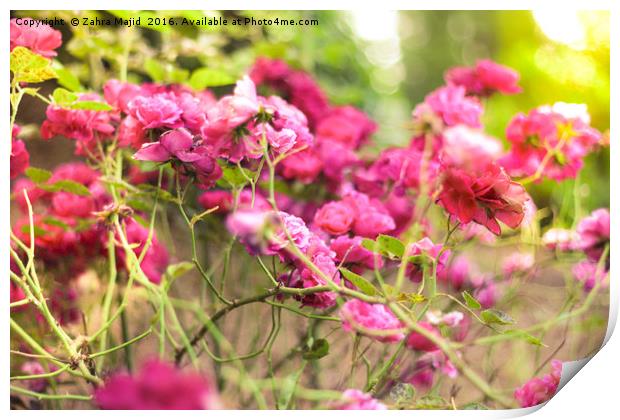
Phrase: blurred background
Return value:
(382, 61)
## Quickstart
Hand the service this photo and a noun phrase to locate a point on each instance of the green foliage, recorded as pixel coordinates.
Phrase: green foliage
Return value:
(177, 270)
(403, 394)
(471, 301)
(318, 350)
(207, 77)
(38, 175)
(495, 316)
(360, 282)
(28, 67)
(62, 97)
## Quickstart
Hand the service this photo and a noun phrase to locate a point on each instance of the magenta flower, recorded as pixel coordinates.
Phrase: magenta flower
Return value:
(267, 232)
(457, 274)
(593, 232)
(353, 399)
(431, 252)
(345, 125)
(119, 94)
(156, 258)
(335, 217)
(224, 129)
(422, 374)
(417, 341)
(450, 105)
(539, 390)
(371, 217)
(397, 168)
(486, 78)
(157, 386)
(303, 277)
(588, 273)
(295, 85)
(372, 320)
(40, 39)
(156, 111)
(85, 126)
(485, 196)
(304, 166)
(251, 225)
(486, 291)
(287, 128)
(190, 157)
(351, 253)
(562, 131)
(20, 158)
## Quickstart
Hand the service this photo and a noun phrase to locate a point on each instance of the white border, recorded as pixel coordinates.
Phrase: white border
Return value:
(593, 395)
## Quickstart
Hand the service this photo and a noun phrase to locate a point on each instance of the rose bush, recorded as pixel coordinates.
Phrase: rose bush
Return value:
(134, 266)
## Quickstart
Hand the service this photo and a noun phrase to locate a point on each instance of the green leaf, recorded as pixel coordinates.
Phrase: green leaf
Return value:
(360, 282)
(52, 221)
(177, 270)
(391, 246)
(494, 316)
(38, 230)
(67, 79)
(288, 389)
(520, 334)
(66, 185)
(206, 77)
(385, 245)
(38, 175)
(234, 175)
(91, 106)
(319, 349)
(369, 244)
(471, 301)
(139, 205)
(415, 297)
(29, 67)
(63, 97)
(155, 70)
(153, 190)
(402, 394)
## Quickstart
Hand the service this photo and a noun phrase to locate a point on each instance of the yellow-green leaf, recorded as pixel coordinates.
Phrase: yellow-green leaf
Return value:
(29, 67)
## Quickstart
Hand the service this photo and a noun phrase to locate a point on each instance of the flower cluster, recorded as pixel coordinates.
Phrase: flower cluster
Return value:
(550, 141)
(538, 390)
(86, 127)
(485, 78)
(376, 321)
(157, 386)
